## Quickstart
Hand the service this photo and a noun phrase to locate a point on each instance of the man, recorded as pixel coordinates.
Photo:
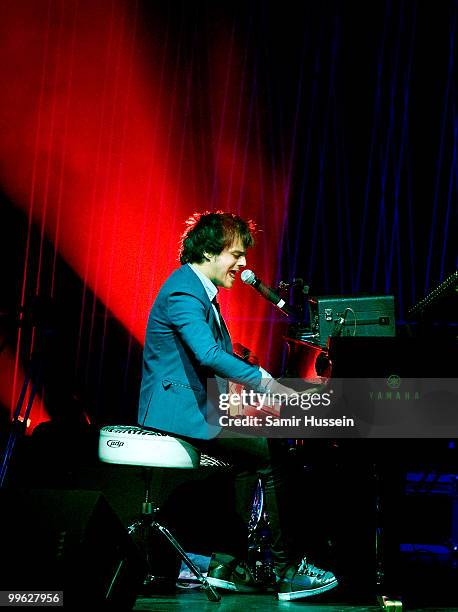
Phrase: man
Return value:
(187, 344)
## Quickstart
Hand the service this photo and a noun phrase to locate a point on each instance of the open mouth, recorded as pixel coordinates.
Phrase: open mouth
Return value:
(232, 274)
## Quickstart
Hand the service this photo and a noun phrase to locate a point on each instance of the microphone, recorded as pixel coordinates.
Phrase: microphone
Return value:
(249, 277)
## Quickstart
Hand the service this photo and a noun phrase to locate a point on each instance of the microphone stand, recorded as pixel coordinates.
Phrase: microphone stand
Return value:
(18, 425)
(32, 380)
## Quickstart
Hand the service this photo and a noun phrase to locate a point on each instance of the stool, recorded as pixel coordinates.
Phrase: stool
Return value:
(131, 445)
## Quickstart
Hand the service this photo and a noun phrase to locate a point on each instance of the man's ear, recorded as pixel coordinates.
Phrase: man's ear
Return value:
(208, 256)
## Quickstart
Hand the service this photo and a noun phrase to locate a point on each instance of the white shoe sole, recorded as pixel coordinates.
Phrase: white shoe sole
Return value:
(291, 596)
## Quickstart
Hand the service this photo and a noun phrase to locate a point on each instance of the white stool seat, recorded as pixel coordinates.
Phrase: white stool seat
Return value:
(131, 445)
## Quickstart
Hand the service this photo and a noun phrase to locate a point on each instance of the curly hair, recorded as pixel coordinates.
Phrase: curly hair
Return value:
(213, 232)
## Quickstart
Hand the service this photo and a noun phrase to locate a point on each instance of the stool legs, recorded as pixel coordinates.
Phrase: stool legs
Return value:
(209, 590)
(148, 520)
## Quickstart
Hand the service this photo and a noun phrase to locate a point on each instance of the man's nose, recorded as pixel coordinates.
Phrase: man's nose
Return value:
(242, 261)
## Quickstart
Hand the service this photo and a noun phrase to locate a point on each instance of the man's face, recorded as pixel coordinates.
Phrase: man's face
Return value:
(222, 268)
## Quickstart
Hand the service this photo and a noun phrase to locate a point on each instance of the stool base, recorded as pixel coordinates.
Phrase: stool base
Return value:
(150, 522)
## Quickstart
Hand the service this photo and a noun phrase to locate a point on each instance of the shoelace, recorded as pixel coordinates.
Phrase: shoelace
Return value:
(309, 569)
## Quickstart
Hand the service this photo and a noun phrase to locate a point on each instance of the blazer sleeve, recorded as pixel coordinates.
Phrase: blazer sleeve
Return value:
(187, 315)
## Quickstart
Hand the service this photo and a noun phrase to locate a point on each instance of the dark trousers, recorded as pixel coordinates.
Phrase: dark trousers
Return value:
(254, 458)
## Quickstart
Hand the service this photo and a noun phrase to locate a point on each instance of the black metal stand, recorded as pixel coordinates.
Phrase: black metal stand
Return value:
(148, 520)
(18, 425)
(386, 602)
(37, 319)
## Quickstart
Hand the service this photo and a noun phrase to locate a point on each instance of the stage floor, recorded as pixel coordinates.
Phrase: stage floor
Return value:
(196, 601)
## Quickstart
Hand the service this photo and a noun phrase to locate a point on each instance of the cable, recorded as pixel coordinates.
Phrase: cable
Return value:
(348, 309)
(340, 322)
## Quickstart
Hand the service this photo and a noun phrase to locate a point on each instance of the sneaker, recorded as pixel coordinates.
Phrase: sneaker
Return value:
(231, 575)
(304, 580)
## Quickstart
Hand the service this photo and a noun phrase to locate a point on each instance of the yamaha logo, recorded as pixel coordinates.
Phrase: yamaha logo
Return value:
(394, 381)
(115, 443)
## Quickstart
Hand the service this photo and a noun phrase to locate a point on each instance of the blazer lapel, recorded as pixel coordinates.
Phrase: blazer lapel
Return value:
(220, 333)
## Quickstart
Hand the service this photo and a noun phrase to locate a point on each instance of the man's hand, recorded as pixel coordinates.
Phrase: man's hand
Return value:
(285, 394)
(318, 386)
